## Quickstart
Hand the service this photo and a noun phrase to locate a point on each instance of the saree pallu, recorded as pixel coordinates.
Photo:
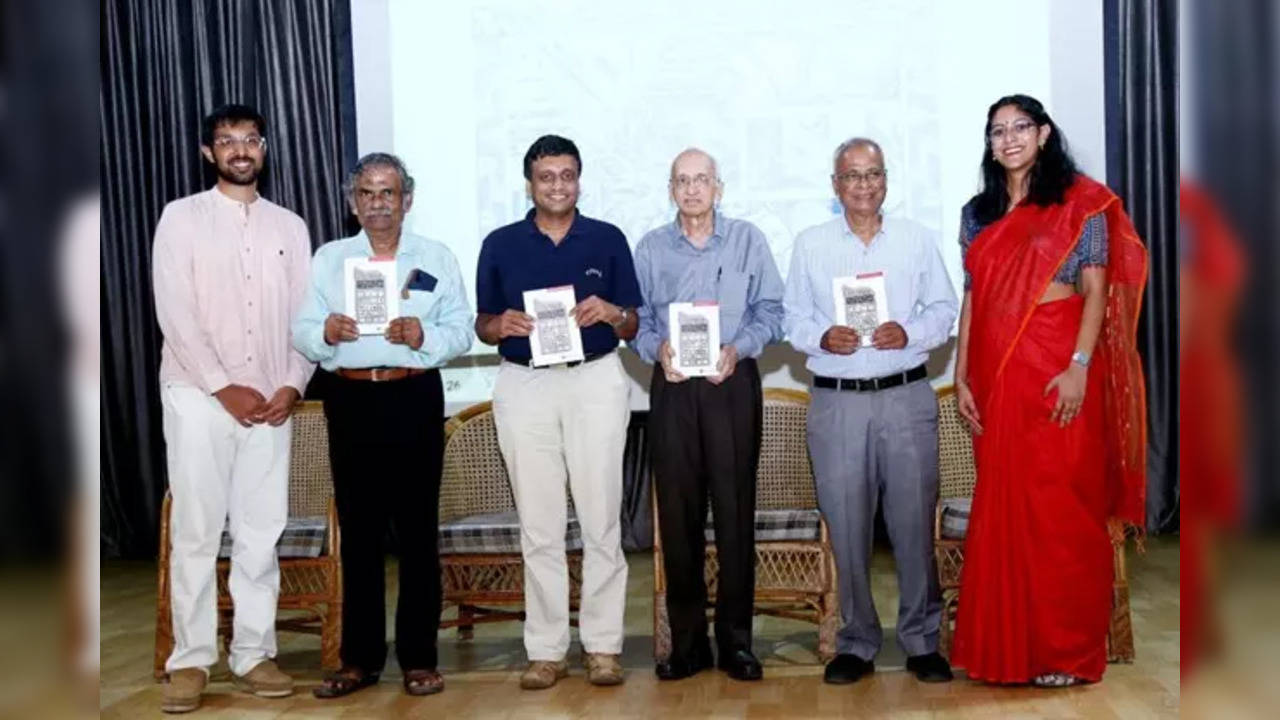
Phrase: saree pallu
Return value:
(1035, 593)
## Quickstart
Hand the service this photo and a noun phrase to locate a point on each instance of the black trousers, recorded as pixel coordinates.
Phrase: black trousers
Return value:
(386, 449)
(705, 439)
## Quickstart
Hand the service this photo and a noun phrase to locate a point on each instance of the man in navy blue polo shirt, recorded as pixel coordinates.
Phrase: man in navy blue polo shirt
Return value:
(567, 419)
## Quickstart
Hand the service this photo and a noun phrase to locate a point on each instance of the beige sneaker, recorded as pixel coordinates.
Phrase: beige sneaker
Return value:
(603, 669)
(265, 680)
(182, 692)
(542, 674)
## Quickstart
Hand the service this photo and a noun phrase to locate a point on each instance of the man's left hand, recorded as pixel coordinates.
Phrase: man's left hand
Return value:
(279, 407)
(728, 363)
(889, 336)
(405, 331)
(594, 310)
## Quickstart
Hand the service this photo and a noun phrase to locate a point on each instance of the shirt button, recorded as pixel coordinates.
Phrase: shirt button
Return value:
(250, 332)
(249, 358)
(250, 303)
(248, 277)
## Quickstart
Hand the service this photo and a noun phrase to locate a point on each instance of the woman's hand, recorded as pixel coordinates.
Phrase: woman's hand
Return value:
(967, 408)
(1070, 384)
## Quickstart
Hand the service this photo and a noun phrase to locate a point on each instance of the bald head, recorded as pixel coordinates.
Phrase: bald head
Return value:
(695, 182)
(854, 143)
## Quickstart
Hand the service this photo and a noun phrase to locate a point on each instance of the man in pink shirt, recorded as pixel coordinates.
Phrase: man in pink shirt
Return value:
(230, 269)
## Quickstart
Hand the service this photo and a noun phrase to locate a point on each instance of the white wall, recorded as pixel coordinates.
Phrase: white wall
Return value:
(459, 90)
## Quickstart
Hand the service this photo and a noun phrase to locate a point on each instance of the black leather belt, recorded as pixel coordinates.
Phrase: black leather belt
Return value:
(872, 384)
(572, 363)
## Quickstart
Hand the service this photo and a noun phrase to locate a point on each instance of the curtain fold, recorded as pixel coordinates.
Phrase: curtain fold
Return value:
(164, 65)
(1141, 67)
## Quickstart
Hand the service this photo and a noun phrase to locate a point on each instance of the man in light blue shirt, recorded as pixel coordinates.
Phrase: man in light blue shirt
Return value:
(704, 433)
(385, 410)
(873, 417)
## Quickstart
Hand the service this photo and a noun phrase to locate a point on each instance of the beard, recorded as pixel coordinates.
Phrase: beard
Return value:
(239, 177)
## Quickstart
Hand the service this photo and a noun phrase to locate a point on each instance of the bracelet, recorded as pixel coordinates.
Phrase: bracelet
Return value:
(621, 321)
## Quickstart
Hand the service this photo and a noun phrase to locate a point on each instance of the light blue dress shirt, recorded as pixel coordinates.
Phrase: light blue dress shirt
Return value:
(443, 312)
(735, 269)
(920, 296)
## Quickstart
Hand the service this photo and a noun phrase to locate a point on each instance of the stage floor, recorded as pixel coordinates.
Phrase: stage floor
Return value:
(482, 675)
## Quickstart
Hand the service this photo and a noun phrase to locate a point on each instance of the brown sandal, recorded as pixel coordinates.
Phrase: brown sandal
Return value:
(344, 682)
(423, 682)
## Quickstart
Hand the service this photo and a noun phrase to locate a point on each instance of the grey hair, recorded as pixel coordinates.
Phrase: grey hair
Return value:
(378, 159)
(715, 166)
(852, 143)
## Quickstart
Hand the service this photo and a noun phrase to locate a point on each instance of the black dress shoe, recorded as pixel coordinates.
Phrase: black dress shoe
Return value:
(741, 665)
(930, 668)
(677, 667)
(846, 668)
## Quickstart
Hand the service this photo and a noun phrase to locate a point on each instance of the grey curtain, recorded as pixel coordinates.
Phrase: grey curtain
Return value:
(1141, 67)
(165, 64)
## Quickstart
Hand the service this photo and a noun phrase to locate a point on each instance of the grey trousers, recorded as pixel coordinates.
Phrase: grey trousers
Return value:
(872, 448)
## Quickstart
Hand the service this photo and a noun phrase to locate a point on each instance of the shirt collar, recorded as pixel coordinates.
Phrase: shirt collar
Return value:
(232, 202)
(849, 233)
(533, 226)
(367, 245)
(717, 232)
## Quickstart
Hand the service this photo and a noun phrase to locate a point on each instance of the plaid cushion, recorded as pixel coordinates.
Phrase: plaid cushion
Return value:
(955, 517)
(777, 525)
(303, 537)
(494, 533)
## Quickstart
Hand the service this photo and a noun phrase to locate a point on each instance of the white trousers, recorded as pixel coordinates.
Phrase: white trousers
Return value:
(219, 469)
(555, 423)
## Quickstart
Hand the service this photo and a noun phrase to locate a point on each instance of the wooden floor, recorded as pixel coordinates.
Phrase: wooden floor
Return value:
(482, 675)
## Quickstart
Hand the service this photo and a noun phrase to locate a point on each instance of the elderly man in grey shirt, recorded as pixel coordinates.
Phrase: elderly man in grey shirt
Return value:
(705, 431)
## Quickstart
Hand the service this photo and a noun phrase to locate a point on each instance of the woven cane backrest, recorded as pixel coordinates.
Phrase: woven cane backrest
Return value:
(310, 480)
(955, 449)
(474, 481)
(785, 478)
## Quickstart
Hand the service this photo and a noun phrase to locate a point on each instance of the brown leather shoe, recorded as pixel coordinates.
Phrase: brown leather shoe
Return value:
(182, 692)
(603, 669)
(542, 674)
(265, 680)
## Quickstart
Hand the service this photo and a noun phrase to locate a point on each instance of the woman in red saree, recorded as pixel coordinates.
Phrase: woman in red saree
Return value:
(1049, 381)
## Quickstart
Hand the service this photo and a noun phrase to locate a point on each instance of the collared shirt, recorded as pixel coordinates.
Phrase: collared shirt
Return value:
(228, 276)
(921, 298)
(735, 269)
(593, 257)
(443, 312)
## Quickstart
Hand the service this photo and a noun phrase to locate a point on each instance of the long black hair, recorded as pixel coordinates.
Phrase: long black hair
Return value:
(1050, 176)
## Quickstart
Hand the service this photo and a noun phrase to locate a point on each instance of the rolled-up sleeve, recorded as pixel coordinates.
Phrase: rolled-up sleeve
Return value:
(648, 335)
(931, 326)
(804, 330)
(308, 324)
(762, 323)
(447, 326)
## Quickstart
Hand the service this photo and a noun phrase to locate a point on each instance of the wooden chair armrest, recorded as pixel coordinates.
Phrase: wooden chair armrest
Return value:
(937, 521)
(335, 533)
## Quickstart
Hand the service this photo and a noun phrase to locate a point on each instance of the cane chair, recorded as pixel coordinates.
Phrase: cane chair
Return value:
(955, 494)
(310, 566)
(795, 569)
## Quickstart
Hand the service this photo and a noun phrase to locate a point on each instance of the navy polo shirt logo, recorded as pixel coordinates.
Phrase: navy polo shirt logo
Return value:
(593, 271)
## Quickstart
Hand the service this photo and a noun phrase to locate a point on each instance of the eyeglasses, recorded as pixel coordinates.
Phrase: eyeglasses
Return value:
(701, 180)
(874, 176)
(1021, 128)
(253, 142)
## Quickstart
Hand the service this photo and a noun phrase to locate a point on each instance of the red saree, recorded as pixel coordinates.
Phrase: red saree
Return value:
(1035, 593)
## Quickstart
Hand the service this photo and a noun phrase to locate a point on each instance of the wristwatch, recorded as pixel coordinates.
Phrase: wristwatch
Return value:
(1080, 358)
(621, 321)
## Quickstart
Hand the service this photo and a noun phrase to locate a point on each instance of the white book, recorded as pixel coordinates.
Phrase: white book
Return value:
(373, 297)
(861, 303)
(555, 338)
(695, 337)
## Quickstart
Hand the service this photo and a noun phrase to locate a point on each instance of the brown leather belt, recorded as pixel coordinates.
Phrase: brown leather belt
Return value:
(379, 374)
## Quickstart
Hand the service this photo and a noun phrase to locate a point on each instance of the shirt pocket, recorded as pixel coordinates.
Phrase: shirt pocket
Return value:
(420, 303)
(731, 293)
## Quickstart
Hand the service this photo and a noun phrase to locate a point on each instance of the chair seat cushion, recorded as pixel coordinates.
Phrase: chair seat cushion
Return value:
(494, 533)
(303, 537)
(499, 533)
(955, 517)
